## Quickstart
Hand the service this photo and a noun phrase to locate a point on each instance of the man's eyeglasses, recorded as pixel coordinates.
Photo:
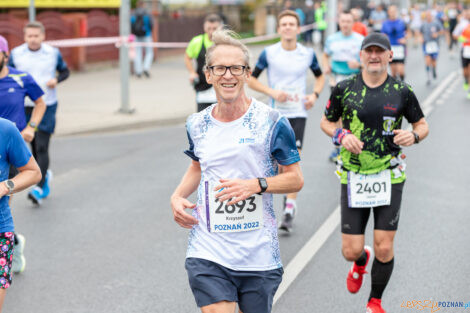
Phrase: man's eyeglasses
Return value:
(220, 70)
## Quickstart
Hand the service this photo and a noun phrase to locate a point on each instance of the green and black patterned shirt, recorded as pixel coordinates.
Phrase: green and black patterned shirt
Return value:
(372, 114)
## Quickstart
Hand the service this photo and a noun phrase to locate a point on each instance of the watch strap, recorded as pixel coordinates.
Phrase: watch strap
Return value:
(10, 186)
(416, 137)
(33, 125)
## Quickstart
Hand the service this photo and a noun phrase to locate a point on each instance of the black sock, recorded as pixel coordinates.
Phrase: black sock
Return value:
(380, 275)
(402, 77)
(361, 261)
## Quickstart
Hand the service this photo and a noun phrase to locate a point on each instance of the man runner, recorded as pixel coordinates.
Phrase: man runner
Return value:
(452, 14)
(196, 50)
(415, 23)
(358, 26)
(395, 29)
(48, 72)
(462, 34)
(430, 31)
(13, 153)
(14, 87)
(377, 17)
(341, 57)
(372, 106)
(287, 63)
(236, 146)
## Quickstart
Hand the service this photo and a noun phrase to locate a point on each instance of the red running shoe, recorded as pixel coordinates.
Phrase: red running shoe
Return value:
(356, 273)
(375, 306)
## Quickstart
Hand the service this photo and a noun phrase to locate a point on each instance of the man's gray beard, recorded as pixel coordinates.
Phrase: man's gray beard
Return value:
(376, 72)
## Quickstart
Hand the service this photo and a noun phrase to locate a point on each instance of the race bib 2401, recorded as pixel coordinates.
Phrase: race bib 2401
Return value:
(368, 191)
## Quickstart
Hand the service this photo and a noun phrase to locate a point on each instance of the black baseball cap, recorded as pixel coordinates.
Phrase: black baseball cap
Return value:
(376, 39)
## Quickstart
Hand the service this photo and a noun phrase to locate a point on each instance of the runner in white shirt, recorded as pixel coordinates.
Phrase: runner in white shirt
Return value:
(341, 57)
(415, 24)
(236, 146)
(460, 33)
(287, 63)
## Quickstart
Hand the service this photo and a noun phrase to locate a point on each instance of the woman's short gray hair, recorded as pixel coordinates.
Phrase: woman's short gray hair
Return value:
(226, 37)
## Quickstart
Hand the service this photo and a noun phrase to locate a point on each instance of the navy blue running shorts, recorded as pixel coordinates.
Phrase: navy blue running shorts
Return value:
(354, 220)
(253, 290)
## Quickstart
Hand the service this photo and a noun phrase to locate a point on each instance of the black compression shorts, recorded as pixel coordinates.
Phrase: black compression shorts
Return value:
(298, 125)
(398, 61)
(354, 220)
(465, 62)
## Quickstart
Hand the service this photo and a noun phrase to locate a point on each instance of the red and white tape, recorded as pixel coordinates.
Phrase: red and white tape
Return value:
(85, 42)
(130, 41)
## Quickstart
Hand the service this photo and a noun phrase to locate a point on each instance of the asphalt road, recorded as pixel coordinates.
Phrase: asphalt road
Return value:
(105, 240)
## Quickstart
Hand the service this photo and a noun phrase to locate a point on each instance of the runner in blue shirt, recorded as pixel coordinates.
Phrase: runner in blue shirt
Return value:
(13, 152)
(395, 29)
(14, 87)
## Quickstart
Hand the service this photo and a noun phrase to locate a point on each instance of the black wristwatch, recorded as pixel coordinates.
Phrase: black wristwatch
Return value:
(416, 137)
(316, 94)
(263, 184)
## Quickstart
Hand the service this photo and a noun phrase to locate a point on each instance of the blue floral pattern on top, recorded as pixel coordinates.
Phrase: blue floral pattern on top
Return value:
(249, 147)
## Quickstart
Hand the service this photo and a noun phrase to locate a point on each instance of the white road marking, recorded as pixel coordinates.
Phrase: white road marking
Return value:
(308, 251)
(301, 259)
(427, 106)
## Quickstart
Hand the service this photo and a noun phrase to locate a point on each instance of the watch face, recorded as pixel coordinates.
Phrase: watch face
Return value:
(10, 184)
(263, 183)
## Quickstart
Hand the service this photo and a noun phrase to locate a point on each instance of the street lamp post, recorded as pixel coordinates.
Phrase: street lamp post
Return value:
(331, 13)
(32, 11)
(124, 66)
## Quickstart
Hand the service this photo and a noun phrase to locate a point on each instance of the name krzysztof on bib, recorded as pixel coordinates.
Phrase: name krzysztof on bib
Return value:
(245, 215)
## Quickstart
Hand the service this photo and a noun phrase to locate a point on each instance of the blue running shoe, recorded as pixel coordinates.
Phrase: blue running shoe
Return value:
(46, 190)
(35, 195)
